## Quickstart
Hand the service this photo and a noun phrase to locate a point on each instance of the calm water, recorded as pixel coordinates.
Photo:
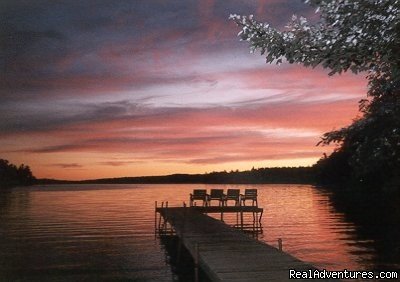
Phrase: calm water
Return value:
(106, 232)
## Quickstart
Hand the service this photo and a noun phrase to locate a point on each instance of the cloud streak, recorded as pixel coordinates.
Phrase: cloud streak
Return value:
(150, 87)
(67, 165)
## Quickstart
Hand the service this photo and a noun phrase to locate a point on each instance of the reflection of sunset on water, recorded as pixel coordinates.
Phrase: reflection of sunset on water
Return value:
(310, 227)
(306, 219)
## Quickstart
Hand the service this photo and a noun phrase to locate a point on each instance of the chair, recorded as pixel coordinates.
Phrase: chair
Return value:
(199, 194)
(216, 194)
(249, 194)
(234, 195)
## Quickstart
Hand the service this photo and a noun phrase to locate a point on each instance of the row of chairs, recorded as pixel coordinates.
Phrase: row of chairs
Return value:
(218, 195)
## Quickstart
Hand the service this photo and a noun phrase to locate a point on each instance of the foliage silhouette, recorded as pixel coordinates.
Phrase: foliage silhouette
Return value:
(11, 175)
(359, 36)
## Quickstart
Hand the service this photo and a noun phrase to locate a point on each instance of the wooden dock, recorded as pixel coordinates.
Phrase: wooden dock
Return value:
(227, 254)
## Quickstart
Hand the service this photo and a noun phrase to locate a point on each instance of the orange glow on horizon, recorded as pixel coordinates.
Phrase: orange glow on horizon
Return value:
(182, 96)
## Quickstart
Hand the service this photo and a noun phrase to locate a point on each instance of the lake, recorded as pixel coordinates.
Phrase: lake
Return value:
(106, 232)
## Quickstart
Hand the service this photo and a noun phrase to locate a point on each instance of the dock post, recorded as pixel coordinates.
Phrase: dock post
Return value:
(178, 257)
(237, 219)
(280, 244)
(166, 219)
(180, 238)
(159, 221)
(159, 218)
(155, 219)
(241, 219)
(196, 262)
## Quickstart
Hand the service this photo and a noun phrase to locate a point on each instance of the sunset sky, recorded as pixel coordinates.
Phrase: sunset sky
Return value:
(95, 89)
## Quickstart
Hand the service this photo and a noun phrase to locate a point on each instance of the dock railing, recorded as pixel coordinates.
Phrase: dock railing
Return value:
(248, 218)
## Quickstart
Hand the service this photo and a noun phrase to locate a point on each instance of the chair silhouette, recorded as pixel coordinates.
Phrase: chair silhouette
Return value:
(199, 194)
(216, 194)
(234, 195)
(249, 194)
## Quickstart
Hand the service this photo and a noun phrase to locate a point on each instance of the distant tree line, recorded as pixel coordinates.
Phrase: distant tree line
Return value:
(293, 175)
(12, 175)
(333, 171)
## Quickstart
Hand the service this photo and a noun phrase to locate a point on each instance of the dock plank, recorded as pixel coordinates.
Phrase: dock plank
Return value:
(227, 254)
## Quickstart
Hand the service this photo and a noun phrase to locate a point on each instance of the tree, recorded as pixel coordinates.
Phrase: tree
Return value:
(357, 36)
(11, 175)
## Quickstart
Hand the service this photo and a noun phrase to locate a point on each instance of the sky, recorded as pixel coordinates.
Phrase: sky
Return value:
(96, 89)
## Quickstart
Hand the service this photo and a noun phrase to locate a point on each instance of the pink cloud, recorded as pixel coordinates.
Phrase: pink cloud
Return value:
(168, 87)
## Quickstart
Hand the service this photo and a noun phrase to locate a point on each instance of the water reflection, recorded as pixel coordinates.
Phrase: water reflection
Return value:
(377, 218)
(105, 232)
(310, 227)
(72, 235)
